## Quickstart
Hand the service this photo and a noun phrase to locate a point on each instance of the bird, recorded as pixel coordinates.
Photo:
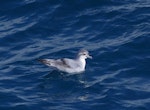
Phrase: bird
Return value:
(67, 65)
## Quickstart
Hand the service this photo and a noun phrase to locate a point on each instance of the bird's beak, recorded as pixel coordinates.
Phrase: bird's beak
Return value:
(89, 56)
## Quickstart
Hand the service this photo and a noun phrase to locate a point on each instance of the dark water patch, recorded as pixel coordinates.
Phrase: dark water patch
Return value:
(115, 32)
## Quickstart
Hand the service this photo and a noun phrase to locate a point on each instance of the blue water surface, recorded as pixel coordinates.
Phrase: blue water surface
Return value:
(117, 34)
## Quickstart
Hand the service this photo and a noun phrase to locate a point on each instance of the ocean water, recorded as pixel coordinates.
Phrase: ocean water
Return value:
(117, 34)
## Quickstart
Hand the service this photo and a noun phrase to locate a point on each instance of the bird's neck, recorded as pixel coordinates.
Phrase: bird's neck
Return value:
(82, 62)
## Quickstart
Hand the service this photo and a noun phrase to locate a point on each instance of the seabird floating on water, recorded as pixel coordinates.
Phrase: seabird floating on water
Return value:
(76, 65)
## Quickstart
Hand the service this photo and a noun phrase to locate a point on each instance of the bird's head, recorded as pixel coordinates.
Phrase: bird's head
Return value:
(84, 54)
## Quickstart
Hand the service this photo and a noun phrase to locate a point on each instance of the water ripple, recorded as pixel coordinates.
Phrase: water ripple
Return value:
(14, 25)
(115, 32)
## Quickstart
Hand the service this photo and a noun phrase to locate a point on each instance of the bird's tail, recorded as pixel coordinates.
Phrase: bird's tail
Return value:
(47, 62)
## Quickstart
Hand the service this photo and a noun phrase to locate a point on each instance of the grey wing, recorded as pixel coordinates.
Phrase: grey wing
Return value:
(56, 63)
(69, 63)
(63, 62)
